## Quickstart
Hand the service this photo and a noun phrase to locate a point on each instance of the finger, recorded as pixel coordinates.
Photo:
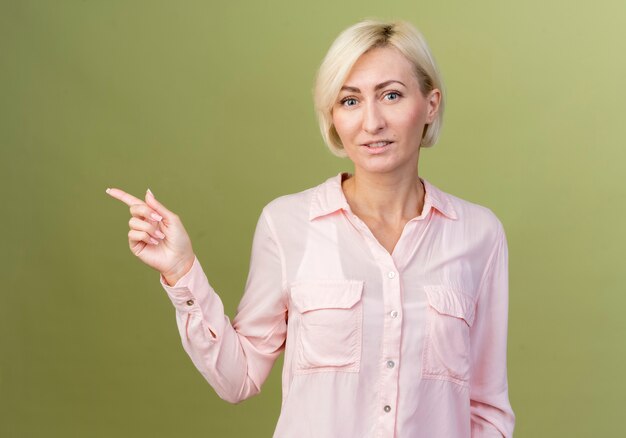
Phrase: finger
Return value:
(144, 211)
(160, 208)
(138, 224)
(136, 246)
(126, 198)
(135, 236)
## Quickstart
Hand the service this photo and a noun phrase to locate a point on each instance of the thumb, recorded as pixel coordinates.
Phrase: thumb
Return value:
(160, 208)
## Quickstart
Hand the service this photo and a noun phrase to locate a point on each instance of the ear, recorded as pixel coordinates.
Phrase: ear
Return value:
(434, 98)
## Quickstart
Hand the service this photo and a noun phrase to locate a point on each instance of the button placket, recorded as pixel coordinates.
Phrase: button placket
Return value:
(392, 300)
(392, 294)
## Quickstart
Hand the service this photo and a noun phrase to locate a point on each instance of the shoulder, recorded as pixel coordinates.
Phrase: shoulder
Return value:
(290, 207)
(290, 202)
(477, 218)
(473, 211)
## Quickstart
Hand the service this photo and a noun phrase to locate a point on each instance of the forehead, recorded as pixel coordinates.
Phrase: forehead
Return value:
(380, 64)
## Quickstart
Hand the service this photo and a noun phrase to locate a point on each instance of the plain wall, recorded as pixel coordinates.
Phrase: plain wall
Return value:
(209, 105)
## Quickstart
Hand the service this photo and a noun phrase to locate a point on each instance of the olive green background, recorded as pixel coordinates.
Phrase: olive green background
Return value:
(209, 104)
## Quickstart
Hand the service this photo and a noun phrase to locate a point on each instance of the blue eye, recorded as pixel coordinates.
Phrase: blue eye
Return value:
(348, 99)
(393, 93)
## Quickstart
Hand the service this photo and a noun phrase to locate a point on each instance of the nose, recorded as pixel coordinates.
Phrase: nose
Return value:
(373, 118)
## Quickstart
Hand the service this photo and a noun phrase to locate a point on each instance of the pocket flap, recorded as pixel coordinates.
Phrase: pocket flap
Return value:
(325, 294)
(451, 301)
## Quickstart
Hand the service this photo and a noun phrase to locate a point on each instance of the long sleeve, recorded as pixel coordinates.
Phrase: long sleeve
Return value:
(491, 412)
(235, 358)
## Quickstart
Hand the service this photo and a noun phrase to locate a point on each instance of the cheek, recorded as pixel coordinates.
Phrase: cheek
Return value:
(349, 119)
(409, 123)
(344, 124)
(411, 118)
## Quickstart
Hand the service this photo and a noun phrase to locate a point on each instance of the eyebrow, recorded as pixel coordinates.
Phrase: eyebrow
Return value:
(376, 88)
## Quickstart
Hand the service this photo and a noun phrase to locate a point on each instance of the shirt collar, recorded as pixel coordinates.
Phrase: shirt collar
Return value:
(328, 197)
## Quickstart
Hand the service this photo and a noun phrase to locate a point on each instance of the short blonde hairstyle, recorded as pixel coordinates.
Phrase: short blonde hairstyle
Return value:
(348, 48)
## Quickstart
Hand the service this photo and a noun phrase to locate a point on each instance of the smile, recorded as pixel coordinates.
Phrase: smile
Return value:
(378, 144)
(377, 147)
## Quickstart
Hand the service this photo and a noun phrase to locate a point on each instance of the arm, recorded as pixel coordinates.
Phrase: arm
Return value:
(235, 358)
(491, 412)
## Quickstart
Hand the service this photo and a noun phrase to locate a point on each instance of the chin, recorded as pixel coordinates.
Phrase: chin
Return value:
(392, 165)
(381, 168)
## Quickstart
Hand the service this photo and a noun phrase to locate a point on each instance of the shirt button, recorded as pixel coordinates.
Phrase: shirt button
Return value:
(190, 302)
(387, 408)
(391, 274)
(390, 364)
(393, 313)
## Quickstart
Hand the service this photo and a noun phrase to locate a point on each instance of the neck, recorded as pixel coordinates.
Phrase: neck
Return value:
(387, 198)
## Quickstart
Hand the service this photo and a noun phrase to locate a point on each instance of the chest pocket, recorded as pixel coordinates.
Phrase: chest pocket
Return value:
(330, 325)
(447, 339)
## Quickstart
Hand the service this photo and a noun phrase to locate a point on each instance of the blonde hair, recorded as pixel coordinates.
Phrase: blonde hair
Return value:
(348, 48)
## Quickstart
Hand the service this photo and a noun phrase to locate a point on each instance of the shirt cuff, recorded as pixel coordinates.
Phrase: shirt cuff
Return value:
(182, 294)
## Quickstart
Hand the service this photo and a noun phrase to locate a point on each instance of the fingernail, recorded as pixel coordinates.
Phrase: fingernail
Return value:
(153, 240)
(159, 234)
(150, 191)
(107, 190)
(156, 217)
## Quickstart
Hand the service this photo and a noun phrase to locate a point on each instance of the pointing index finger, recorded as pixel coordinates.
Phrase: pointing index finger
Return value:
(126, 198)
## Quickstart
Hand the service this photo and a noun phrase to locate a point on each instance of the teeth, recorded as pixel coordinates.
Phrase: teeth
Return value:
(378, 144)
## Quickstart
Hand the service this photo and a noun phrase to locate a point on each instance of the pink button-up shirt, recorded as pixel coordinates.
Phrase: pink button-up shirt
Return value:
(409, 344)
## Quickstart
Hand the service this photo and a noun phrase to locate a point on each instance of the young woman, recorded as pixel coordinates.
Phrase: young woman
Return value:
(388, 296)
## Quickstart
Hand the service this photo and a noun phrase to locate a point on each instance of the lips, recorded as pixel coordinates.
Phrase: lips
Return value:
(377, 144)
(377, 147)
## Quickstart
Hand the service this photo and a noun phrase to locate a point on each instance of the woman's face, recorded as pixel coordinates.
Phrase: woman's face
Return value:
(381, 101)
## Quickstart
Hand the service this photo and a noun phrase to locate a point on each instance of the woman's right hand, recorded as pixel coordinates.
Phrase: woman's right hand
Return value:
(157, 236)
